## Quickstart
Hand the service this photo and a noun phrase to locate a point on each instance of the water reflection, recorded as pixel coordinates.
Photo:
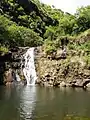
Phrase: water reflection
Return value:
(27, 102)
(56, 103)
(39, 103)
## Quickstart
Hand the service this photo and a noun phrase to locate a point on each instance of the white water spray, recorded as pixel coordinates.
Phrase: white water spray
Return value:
(29, 67)
(18, 77)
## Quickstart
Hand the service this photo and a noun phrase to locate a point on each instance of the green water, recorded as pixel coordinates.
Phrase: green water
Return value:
(39, 103)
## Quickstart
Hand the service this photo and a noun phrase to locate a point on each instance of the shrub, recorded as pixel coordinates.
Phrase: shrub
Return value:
(22, 36)
(3, 49)
(50, 47)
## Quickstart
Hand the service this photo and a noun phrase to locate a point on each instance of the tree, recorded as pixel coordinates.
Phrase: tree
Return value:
(83, 18)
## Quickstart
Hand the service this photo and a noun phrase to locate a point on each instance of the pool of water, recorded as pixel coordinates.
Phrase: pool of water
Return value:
(40, 103)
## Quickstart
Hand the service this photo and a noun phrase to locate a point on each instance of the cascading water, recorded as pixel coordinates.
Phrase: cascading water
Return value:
(18, 78)
(29, 67)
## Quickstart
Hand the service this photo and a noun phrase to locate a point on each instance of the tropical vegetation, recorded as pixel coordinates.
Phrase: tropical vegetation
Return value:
(31, 23)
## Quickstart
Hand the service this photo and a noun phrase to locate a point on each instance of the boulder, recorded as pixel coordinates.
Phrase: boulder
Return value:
(88, 85)
(8, 77)
(86, 82)
(62, 84)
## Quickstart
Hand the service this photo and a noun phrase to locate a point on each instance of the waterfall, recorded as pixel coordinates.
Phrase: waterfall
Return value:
(29, 67)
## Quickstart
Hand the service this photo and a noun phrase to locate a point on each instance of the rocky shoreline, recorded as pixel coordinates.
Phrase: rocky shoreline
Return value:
(71, 71)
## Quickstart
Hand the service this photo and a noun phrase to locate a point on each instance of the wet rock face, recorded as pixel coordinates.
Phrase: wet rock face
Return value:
(2, 69)
(6, 57)
(10, 64)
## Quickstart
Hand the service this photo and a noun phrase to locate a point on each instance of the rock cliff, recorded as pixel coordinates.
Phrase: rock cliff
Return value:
(71, 71)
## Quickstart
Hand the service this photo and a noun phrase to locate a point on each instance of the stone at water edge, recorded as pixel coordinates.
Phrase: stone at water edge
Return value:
(62, 84)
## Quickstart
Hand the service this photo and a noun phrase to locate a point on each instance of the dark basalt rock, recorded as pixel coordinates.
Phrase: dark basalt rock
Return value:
(11, 62)
(6, 57)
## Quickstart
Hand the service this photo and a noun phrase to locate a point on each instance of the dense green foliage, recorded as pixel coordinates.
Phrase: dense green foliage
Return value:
(13, 35)
(29, 23)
